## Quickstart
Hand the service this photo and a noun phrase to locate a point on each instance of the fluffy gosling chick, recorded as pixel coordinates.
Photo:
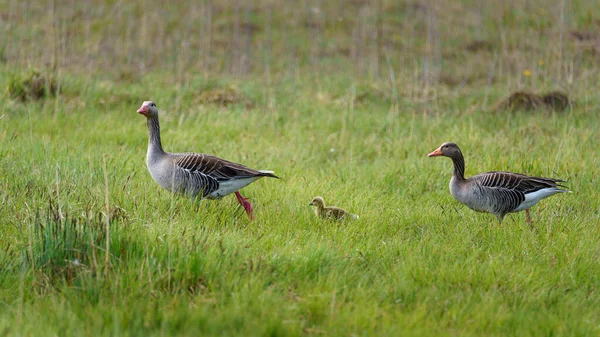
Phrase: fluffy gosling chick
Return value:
(330, 212)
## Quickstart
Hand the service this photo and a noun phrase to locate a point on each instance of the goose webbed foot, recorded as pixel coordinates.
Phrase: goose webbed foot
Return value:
(246, 204)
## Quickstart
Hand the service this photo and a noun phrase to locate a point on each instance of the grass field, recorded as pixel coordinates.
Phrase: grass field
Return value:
(342, 100)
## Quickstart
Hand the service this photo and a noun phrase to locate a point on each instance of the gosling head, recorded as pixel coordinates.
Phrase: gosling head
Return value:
(148, 109)
(318, 202)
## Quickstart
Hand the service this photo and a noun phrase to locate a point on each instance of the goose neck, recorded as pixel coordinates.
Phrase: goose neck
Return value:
(459, 166)
(154, 134)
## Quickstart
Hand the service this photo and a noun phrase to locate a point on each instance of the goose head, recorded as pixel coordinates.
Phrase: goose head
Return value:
(148, 109)
(447, 150)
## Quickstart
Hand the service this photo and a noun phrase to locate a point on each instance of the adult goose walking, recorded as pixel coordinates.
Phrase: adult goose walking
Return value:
(195, 174)
(498, 192)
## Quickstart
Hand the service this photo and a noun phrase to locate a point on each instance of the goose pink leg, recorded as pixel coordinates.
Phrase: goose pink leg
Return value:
(245, 203)
(529, 221)
(528, 217)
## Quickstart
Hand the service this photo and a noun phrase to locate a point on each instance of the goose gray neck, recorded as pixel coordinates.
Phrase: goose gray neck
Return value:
(459, 166)
(154, 134)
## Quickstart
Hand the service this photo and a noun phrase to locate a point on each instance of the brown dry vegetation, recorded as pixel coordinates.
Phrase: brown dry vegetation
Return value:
(406, 42)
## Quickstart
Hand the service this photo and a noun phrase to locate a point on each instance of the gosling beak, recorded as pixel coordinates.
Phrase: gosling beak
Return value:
(437, 152)
(311, 204)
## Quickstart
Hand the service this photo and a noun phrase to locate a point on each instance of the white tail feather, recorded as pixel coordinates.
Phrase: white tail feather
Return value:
(534, 197)
(266, 171)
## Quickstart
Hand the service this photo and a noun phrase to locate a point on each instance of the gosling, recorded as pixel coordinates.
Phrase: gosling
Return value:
(330, 212)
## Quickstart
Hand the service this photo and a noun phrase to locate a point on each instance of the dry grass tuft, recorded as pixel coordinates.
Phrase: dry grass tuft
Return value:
(364, 94)
(584, 35)
(587, 42)
(224, 97)
(31, 86)
(478, 45)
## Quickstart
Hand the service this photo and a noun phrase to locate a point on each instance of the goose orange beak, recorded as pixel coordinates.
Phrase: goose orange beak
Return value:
(143, 110)
(437, 152)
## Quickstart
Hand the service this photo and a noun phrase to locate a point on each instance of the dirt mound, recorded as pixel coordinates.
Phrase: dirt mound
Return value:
(528, 101)
(557, 101)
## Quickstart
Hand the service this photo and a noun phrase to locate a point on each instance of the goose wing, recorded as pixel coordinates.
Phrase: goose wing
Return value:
(216, 168)
(338, 213)
(507, 190)
(516, 181)
(334, 212)
(206, 174)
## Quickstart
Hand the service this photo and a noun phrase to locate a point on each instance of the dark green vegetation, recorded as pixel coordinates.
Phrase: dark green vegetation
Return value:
(342, 100)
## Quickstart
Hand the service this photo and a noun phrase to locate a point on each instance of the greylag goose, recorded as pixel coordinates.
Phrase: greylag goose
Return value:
(497, 192)
(330, 212)
(195, 174)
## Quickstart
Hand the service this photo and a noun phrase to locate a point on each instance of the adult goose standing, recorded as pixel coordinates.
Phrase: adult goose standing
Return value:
(195, 174)
(497, 192)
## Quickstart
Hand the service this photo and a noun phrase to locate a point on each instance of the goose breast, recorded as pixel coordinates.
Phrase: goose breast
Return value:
(471, 195)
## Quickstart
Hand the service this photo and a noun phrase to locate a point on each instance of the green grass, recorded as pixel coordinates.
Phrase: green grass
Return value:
(416, 263)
